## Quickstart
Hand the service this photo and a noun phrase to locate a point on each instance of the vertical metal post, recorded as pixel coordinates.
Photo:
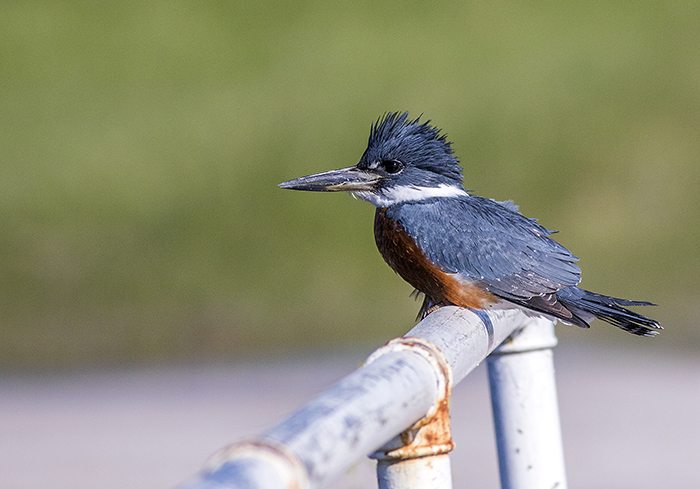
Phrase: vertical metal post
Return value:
(431, 472)
(525, 410)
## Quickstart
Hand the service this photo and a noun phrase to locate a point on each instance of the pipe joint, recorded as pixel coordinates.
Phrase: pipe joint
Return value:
(432, 434)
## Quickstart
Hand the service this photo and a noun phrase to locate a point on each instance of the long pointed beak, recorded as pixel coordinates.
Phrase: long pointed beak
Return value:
(347, 179)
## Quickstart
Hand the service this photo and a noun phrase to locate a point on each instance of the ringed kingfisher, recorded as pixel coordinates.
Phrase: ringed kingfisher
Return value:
(461, 249)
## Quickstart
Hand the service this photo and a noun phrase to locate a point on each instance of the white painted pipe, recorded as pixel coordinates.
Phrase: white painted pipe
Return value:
(432, 472)
(365, 409)
(525, 411)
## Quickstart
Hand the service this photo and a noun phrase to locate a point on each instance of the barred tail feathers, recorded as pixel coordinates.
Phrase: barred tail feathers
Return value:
(588, 305)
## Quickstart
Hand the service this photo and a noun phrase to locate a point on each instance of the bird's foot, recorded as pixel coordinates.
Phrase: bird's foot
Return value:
(433, 309)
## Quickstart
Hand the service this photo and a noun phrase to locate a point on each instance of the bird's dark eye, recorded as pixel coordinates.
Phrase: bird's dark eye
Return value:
(392, 166)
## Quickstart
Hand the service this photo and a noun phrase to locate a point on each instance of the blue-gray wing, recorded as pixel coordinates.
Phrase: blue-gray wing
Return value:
(491, 242)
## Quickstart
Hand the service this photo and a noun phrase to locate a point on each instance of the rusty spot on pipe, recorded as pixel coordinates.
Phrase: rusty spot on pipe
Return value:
(432, 437)
(432, 434)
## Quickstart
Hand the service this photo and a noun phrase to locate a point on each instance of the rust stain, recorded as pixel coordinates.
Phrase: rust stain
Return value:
(432, 434)
(432, 437)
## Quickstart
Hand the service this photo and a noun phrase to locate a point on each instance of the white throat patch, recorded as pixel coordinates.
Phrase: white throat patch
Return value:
(408, 193)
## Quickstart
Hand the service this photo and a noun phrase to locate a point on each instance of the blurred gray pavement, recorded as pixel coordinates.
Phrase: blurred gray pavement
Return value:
(630, 419)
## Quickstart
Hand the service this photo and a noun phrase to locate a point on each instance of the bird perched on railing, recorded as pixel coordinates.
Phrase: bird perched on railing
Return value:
(462, 249)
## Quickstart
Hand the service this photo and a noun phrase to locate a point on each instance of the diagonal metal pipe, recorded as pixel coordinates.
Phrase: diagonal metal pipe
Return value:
(368, 409)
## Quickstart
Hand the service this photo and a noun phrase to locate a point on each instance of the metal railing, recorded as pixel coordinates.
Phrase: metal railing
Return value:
(395, 408)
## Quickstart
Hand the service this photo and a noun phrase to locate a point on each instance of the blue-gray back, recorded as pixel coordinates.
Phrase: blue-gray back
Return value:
(489, 241)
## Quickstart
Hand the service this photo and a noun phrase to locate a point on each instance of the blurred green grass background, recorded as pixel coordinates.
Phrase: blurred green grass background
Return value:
(141, 144)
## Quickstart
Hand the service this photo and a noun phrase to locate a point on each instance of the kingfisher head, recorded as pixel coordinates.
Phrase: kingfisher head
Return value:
(405, 160)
